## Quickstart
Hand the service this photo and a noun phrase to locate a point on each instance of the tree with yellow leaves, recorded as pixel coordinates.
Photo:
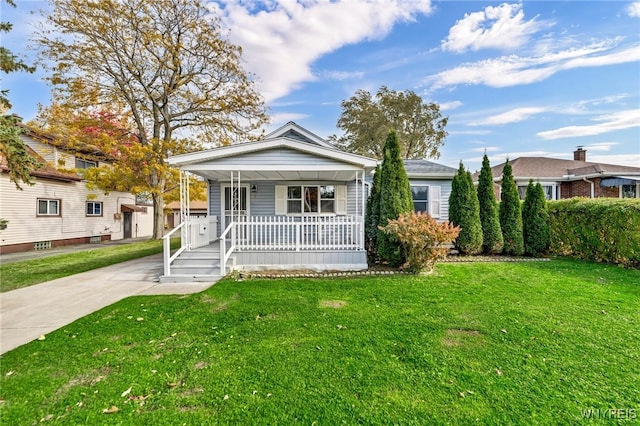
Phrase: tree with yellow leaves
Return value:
(166, 63)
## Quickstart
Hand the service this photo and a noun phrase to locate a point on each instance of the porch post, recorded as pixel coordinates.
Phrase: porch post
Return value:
(364, 204)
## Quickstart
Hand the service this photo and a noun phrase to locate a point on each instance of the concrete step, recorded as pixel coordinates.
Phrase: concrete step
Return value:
(189, 278)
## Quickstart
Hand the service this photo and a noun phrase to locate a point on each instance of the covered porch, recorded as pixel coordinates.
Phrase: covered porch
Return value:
(272, 205)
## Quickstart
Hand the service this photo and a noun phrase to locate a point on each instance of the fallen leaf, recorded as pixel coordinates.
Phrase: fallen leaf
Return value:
(461, 394)
(498, 372)
(47, 417)
(9, 373)
(111, 410)
(503, 330)
(173, 384)
(139, 319)
(125, 393)
(226, 397)
(42, 337)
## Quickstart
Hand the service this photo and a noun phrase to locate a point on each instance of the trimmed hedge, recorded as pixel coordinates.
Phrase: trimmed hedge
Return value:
(602, 229)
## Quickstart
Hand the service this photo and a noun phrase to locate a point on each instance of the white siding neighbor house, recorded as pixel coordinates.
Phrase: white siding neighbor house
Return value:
(59, 209)
(289, 201)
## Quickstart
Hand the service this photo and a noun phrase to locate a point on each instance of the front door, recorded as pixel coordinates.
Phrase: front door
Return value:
(236, 205)
(127, 221)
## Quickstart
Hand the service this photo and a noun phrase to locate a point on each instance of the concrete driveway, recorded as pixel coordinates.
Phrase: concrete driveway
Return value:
(29, 312)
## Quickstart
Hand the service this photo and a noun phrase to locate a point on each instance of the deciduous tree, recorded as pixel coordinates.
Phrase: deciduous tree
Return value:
(366, 120)
(165, 62)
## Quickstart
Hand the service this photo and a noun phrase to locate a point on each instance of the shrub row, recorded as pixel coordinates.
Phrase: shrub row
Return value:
(602, 230)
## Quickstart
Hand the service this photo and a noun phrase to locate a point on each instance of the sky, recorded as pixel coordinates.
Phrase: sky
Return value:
(515, 79)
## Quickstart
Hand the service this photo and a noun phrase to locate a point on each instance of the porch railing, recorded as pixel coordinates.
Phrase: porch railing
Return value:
(166, 248)
(297, 233)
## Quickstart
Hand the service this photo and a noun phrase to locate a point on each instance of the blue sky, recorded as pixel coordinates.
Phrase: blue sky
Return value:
(531, 78)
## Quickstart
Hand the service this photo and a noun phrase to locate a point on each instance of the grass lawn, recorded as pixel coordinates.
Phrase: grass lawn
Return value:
(29, 272)
(483, 343)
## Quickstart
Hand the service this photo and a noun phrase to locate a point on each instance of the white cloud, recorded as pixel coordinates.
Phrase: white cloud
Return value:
(607, 123)
(342, 75)
(601, 146)
(500, 27)
(284, 117)
(631, 160)
(448, 106)
(513, 70)
(513, 116)
(634, 9)
(281, 40)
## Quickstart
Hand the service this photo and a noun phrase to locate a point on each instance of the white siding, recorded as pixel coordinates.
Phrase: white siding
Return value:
(20, 209)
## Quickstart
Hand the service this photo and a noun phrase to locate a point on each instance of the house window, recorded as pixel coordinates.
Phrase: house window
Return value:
(94, 208)
(629, 191)
(311, 199)
(48, 207)
(84, 164)
(420, 196)
(548, 191)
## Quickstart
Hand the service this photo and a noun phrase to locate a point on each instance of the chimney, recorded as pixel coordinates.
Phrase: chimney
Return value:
(580, 154)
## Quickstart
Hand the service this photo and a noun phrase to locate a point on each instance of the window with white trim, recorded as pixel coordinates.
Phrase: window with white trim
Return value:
(420, 195)
(629, 191)
(311, 199)
(426, 198)
(85, 164)
(548, 191)
(48, 207)
(94, 208)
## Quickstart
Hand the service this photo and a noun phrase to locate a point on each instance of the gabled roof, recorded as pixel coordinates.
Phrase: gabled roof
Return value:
(86, 150)
(427, 169)
(553, 169)
(44, 172)
(293, 131)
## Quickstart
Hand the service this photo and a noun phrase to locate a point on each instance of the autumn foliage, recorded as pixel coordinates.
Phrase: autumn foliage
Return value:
(425, 241)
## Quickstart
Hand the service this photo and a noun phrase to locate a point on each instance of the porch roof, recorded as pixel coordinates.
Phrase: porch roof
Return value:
(331, 164)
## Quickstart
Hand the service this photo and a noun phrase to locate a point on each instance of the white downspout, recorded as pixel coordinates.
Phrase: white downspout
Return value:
(593, 191)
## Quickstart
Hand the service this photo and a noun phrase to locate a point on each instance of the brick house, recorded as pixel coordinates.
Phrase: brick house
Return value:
(572, 178)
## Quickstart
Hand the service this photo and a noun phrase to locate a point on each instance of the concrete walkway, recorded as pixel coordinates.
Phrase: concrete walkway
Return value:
(29, 312)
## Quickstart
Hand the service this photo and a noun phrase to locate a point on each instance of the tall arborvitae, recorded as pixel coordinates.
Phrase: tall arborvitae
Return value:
(491, 232)
(510, 214)
(464, 211)
(535, 221)
(372, 218)
(395, 198)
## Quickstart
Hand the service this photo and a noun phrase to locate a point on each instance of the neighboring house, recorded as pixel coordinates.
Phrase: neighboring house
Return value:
(59, 209)
(172, 212)
(430, 186)
(572, 178)
(289, 201)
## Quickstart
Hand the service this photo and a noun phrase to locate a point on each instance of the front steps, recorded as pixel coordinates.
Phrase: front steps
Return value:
(198, 265)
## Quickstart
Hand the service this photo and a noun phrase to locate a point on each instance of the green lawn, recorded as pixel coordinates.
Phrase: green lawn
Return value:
(29, 272)
(482, 343)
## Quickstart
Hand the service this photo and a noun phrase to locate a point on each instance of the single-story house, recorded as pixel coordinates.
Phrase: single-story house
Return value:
(59, 209)
(288, 201)
(572, 178)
